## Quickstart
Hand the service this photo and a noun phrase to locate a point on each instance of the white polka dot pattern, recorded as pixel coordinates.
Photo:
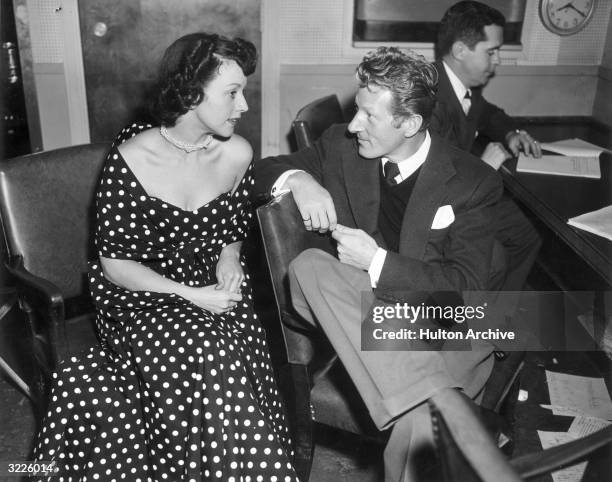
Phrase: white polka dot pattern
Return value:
(175, 392)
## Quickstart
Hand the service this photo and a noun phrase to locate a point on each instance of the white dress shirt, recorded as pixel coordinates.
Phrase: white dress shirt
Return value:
(407, 167)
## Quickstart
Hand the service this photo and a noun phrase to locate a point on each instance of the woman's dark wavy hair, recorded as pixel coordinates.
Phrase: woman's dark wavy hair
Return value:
(412, 80)
(465, 21)
(188, 65)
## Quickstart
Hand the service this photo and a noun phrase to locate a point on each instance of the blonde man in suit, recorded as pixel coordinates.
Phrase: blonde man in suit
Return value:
(409, 213)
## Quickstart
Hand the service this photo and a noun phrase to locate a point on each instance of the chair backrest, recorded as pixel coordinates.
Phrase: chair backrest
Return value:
(284, 237)
(47, 210)
(466, 450)
(314, 118)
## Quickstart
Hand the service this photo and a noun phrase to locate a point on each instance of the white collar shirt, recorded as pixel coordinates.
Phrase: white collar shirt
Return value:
(408, 166)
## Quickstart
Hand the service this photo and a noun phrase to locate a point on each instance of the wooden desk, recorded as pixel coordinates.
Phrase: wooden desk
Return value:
(552, 200)
(574, 260)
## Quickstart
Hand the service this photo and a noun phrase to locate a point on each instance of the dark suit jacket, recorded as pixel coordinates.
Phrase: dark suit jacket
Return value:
(455, 258)
(449, 121)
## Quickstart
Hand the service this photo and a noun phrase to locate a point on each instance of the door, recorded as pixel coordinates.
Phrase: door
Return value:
(123, 42)
(14, 136)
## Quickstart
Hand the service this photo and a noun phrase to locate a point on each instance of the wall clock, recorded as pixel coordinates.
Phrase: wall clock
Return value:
(566, 17)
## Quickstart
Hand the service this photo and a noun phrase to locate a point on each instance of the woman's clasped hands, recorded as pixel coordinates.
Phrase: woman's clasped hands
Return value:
(225, 295)
(214, 299)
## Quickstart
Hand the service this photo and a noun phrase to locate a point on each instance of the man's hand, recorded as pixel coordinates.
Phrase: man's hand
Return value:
(355, 246)
(313, 201)
(495, 155)
(520, 140)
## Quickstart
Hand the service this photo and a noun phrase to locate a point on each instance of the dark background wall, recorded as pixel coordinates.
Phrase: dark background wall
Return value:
(123, 42)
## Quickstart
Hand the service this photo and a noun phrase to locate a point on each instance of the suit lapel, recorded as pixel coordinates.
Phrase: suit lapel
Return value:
(446, 94)
(426, 198)
(462, 126)
(363, 189)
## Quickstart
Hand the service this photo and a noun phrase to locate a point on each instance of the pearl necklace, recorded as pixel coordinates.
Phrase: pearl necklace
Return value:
(185, 146)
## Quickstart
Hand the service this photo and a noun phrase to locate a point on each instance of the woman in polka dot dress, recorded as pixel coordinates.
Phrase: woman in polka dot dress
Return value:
(182, 387)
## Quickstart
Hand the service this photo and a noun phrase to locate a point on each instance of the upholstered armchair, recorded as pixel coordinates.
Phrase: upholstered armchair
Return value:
(46, 208)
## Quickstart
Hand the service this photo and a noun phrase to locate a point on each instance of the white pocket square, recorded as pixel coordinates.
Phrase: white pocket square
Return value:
(444, 217)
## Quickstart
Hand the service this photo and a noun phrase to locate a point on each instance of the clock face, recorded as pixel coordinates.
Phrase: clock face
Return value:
(566, 17)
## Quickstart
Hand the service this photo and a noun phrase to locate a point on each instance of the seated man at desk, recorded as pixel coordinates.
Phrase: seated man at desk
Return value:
(409, 213)
(470, 35)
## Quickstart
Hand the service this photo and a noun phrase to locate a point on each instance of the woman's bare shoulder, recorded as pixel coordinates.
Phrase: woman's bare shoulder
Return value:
(239, 150)
(237, 153)
(140, 147)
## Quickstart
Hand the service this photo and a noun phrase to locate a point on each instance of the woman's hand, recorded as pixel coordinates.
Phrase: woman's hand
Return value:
(213, 299)
(230, 274)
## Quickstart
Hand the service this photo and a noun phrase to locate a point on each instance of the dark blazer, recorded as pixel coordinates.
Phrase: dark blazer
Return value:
(450, 122)
(455, 258)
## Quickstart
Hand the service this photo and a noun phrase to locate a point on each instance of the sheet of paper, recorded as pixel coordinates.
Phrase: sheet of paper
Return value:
(573, 147)
(563, 411)
(586, 395)
(583, 426)
(569, 474)
(560, 166)
(597, 222)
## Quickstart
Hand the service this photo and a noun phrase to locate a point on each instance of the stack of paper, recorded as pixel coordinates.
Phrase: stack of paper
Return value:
(573, 147)
(597, 222)
(560, 166)
(577, 158)
(585, 398)
(570, 474)
(575, 395)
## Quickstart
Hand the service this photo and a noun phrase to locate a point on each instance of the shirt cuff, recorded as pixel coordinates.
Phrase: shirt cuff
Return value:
(376, 266)
(277, 187)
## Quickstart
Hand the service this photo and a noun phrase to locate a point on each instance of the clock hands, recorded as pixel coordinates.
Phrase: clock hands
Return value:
(566, 6)
(581, 13)
(571, 5)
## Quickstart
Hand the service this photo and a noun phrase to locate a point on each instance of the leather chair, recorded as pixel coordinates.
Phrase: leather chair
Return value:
(314, 383)
(467, 452)
(47, 212)
(316, 387)
(314, 118)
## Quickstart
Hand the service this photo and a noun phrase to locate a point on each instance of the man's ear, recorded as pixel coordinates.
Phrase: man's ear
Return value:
(459, 49)
(412, 125)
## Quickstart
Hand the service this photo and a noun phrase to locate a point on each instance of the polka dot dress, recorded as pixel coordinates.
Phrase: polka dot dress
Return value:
(174, 392)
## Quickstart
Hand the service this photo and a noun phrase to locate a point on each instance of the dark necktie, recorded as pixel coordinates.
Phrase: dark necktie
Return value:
(466, 103)
(391, 170)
